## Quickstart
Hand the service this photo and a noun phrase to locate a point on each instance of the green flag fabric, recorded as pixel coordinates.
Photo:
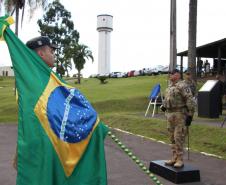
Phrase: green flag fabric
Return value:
(60, 138)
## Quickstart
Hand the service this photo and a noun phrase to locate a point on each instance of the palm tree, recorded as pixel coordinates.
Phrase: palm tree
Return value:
(80, 53)
(16, 5)
(67, 65)
(173, 36)
(192, 38)
(12, 6)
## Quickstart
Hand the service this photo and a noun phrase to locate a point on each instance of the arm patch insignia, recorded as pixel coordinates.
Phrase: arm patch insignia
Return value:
(187, 90)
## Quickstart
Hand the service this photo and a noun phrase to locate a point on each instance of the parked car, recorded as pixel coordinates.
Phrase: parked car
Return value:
(146, 71)
(105, 75)
(120, 75)
(152, 71)
(113, 74)
(131, 73)
(93, 76)
(159, 69)
(125, 74)
(136, 73)
(155, 71)
(164, 70)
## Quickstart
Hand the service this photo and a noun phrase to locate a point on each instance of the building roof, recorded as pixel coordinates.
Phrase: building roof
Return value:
(209, 50)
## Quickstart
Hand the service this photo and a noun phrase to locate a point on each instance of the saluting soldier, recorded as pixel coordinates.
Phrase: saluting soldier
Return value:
(179, 107)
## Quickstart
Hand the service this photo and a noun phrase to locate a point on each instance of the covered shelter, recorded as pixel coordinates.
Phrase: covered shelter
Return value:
(214, 50)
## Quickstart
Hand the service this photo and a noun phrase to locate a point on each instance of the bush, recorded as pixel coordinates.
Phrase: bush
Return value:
(103, 79)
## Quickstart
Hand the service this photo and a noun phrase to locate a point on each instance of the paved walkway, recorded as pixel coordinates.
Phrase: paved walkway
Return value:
(121, 169)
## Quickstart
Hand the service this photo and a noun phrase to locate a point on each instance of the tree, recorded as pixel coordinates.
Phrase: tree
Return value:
(19, 5)
(192, 38)
(67, 65)
(80, 53)
(58, 26)
(173, 36)
(12, 6)
(103, 79)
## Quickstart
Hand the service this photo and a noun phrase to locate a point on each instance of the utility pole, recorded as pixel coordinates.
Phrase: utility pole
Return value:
(173, 43)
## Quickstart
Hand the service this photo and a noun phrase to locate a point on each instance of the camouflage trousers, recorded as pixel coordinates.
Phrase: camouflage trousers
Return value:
(177, 131)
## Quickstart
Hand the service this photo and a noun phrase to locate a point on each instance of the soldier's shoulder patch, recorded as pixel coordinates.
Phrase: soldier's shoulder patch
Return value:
(187, 90)
(184, 87)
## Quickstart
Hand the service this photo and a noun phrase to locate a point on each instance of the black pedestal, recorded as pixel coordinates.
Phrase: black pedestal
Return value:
(175, 175)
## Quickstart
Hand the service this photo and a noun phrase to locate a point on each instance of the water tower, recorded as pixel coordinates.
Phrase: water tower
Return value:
(104, 27)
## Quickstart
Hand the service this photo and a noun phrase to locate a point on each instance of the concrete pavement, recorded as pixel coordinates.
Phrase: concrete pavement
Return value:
(121, 169)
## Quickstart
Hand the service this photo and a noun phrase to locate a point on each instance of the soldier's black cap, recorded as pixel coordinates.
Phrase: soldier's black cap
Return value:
(187, 73)
(39, 42)
(174, 71)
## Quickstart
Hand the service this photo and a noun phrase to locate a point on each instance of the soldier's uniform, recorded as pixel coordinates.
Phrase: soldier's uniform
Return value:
(178, 103)
(192, 85)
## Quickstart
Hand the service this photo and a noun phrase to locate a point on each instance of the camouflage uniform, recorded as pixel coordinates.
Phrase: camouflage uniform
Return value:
(178, 103)
(192, 85)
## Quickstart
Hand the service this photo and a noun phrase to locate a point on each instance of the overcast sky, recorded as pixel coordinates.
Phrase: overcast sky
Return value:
(140, 36)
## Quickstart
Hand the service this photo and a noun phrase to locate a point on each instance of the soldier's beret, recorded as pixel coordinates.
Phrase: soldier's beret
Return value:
(174, 71)
(39, 42)
(187, 73)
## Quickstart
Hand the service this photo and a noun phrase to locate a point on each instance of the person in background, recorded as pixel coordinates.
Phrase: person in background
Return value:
(45, 49)
(207, 67)
(179, 108)
(190, 83)
(199, 67)
(221, 92)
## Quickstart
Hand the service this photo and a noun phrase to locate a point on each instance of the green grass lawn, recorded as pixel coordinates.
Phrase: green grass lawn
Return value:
(121, 103)
(8, 108)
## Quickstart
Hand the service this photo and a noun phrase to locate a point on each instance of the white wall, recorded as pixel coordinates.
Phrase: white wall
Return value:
(6, 71)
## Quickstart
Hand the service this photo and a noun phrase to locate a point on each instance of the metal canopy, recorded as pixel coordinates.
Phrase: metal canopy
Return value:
(210, 50)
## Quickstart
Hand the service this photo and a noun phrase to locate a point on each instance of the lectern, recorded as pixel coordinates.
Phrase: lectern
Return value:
(209, 99)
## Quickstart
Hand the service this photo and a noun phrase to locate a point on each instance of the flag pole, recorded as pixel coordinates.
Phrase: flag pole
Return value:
(188, 143)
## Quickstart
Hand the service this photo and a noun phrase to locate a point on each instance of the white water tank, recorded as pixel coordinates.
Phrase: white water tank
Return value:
(104, 27)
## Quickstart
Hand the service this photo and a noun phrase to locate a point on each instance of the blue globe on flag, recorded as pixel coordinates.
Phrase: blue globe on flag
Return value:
(70, 115)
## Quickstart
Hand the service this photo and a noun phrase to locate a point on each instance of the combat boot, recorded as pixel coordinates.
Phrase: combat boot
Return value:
(171, 161)
(179, 162)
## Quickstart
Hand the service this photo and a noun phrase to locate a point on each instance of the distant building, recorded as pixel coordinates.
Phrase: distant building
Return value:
(6, 71)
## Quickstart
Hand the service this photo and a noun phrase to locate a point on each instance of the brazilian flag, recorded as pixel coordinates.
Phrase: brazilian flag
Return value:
(60, 138)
